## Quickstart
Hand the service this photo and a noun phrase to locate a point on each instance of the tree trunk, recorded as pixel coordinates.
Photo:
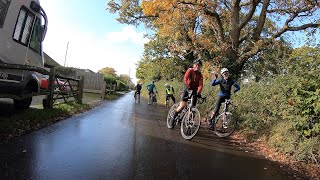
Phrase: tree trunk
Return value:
(231, 61)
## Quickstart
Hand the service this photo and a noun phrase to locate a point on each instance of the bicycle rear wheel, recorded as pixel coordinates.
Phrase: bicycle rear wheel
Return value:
(190, 124)
(225, 124)
(170, 115)
(138, 97)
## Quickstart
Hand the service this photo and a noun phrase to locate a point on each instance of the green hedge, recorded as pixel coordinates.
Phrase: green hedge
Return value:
(272, 110)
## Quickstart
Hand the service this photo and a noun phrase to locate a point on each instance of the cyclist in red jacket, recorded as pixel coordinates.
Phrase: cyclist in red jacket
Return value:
(193, 80)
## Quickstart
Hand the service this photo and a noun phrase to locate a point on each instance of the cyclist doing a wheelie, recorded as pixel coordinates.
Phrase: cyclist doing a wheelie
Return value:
(193, 81)
(226, 84)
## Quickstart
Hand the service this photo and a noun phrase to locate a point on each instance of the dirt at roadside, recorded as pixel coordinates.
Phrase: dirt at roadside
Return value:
(37, 101)
(261, 149)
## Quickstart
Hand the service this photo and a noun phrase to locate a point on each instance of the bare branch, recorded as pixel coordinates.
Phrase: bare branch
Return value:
(254, 4)
(261, 21)
(297, 28)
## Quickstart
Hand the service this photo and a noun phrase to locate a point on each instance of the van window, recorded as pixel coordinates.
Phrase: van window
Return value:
(4, 5)
(35, 42)
(23, 26)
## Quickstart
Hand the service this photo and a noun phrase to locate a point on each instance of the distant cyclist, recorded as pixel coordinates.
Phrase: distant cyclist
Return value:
(169, 93)
(226, 84)
(138, 91)
(193, 80)
(151, 89)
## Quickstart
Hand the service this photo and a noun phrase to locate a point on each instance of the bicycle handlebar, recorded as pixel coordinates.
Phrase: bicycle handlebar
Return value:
(202, 100)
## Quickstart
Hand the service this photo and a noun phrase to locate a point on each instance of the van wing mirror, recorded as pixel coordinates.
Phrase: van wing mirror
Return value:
(35, 6)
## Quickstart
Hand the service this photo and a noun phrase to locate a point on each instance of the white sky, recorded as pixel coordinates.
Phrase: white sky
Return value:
(94, 43)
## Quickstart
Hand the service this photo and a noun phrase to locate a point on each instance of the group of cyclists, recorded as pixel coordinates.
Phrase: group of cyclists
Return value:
(152, 90)
(193, 81)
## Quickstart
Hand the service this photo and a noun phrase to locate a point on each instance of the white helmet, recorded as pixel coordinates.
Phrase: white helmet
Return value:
(224, 70)
(166, 85)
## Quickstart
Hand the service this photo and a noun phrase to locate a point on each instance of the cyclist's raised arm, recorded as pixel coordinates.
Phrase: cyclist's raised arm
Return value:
(236, 86)
(215, 82)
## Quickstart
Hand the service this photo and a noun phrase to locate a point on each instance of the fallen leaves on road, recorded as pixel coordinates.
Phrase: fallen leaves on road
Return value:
(261, 149)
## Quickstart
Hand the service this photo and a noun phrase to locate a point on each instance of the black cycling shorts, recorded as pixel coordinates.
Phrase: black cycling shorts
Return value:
(185, 95)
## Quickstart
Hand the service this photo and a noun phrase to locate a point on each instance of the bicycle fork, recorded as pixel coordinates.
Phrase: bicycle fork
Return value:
(224, 120)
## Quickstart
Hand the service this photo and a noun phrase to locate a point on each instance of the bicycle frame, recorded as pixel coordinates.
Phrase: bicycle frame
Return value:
(224, 125)
(189, 106)
(225, 108)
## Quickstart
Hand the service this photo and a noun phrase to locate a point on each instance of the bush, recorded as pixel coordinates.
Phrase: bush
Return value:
(110, 80)
(122, 86)
(272, 109)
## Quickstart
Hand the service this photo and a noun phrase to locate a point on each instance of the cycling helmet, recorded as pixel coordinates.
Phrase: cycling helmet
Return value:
(197, 61)
(166, 85)
(224, 70)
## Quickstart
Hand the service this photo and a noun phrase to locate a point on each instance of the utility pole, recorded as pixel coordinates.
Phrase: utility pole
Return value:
(65, 57)
(129, 77)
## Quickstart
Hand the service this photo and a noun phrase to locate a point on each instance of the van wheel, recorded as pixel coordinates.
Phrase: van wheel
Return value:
(24, 103)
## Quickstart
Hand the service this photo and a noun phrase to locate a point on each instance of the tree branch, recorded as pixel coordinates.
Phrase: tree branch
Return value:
(219, 22)
(254, 4)
(254, 49)
(226, 4)
(261, 21)
(235, 31)
(297, 28)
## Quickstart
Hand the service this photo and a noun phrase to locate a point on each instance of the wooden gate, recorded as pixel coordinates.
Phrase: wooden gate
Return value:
(71, 87)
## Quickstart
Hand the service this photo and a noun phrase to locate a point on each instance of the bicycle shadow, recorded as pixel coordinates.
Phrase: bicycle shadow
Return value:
(208, 138)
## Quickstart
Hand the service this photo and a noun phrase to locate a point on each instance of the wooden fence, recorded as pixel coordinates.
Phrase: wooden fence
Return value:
(71, 87)
(110, 89)
(93, 82)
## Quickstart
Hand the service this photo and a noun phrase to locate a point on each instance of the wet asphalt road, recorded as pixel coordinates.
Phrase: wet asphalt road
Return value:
(124, 140)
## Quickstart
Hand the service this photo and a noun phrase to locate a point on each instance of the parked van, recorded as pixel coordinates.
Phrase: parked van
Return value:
(23, 25)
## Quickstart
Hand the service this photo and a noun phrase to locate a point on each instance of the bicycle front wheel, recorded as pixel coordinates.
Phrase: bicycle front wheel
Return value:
(225, 124)
(167, 104)
(170, 115)
(190, 124)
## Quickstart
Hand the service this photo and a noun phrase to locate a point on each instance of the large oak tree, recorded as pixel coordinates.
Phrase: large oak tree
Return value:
(227, 32)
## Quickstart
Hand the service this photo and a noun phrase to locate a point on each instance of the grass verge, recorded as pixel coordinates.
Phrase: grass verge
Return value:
(112, 96)
(31, 119)
(19, 123)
